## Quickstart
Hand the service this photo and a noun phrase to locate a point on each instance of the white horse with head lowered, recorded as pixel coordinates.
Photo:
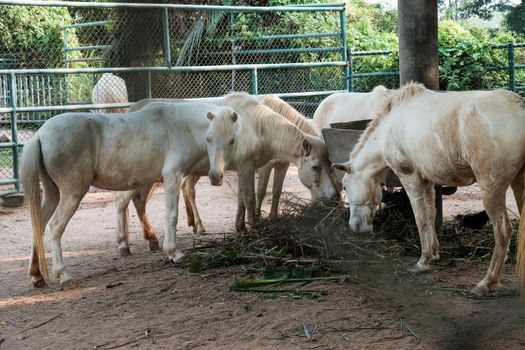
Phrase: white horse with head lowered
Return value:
(258, 137)
(314, 169)
(110, 89)
(454, 138)
(280, 167)
(113, 152)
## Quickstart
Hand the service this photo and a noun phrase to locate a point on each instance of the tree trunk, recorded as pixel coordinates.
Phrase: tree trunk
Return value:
(418, 56)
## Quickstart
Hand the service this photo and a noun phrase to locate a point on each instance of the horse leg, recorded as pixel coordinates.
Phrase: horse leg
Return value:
(140, 199)
(518, 186)
(172, 185)
(421, 194)
(494, 203)
(122, 200)
(247, 182)
(262, 185)
(188, 189)
(278, 179)
(49, 204)
(240, 223)
(67, 206)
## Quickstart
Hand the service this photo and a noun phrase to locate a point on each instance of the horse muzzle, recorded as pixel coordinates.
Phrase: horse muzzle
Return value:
(332, 201)
(215, 177)
(360, 227)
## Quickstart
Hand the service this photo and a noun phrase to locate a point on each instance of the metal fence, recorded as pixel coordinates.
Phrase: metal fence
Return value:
(191, 51)
(167, 51)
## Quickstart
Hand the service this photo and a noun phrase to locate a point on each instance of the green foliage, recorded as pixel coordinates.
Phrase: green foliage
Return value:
(32, 35)
(515, 18)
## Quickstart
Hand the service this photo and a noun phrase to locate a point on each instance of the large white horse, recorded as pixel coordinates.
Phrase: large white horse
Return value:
(316, 177)
(454, 138)
(113, 152)
(344, 107)
(254, 140)
(280, 167)
(110, 89)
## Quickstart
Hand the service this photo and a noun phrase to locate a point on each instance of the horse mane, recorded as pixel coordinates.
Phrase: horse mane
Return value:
(280, 106)
(283, 133)
(394, 98)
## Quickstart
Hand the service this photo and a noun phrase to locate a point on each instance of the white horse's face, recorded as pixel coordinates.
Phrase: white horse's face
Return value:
(364, 195)
(220, 139)
(315, 173)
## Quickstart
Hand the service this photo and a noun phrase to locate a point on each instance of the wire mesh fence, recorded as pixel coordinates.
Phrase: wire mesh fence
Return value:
(105, 56)
(102, 57)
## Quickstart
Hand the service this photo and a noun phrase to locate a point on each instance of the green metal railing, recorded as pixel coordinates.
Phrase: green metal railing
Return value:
(14, 109)
(512, 67)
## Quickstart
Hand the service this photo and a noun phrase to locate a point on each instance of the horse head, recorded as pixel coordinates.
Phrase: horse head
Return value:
(221, 136)
(363, 191)
(314, 170)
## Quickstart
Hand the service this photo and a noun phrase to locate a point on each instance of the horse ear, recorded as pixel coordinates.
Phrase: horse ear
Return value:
(346, 167)
(210, 116)
(307, 147)
(235, 116)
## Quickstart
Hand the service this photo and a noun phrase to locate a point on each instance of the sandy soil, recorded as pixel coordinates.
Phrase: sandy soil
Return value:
(143, 302)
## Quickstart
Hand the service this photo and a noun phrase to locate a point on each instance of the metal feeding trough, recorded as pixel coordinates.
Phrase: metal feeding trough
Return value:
(340, 140)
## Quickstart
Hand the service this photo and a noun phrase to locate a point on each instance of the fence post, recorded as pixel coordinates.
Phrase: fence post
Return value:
(254, 82)
(350, 64)
(14, 133)
(342, 20)
(166, 35)
(234, 58)
(512, 68)
(148, 86)
(66, 64)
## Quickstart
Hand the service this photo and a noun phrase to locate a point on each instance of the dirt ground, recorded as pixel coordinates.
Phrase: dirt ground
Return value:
(143, 302)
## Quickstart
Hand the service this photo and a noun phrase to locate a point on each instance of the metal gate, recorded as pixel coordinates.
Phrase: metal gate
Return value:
(169, 51)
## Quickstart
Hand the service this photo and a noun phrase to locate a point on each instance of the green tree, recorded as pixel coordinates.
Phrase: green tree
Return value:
(31, 35)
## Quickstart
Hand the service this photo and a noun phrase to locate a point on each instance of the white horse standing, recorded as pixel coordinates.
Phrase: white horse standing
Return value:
(342, 107)
(111, 152)
(454, 138)
(110, 89)
(254, 140)
(280, 167)
(314, 170)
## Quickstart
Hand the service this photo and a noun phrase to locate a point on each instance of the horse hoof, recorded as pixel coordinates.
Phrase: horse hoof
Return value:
(176, 258)
(38, 283)
(418, 269)
(201, 231)
(483, 288)
(154, 246)
(68, 285)
(241, 228)
(124, 251)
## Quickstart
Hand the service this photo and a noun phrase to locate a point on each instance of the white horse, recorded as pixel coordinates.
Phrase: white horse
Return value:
(280, 167)
(110, 89)
(454, 138)
(344, 107)
(314, 173)
(254, 140)
(110, 152)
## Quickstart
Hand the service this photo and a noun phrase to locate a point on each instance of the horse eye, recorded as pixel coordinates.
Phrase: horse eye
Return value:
(208, 139)
(232, 141)
(316, 167)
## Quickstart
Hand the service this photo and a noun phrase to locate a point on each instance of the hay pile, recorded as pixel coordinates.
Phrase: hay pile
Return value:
(317, 235)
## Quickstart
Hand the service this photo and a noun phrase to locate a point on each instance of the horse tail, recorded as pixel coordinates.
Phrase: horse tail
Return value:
(32, 167)
(520, 253)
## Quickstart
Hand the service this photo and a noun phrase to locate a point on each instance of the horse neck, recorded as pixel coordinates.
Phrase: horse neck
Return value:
(283, 139)
(370, 157)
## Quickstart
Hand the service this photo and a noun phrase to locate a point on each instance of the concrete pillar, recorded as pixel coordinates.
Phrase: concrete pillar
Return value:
(418, 42)
(418, 56)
